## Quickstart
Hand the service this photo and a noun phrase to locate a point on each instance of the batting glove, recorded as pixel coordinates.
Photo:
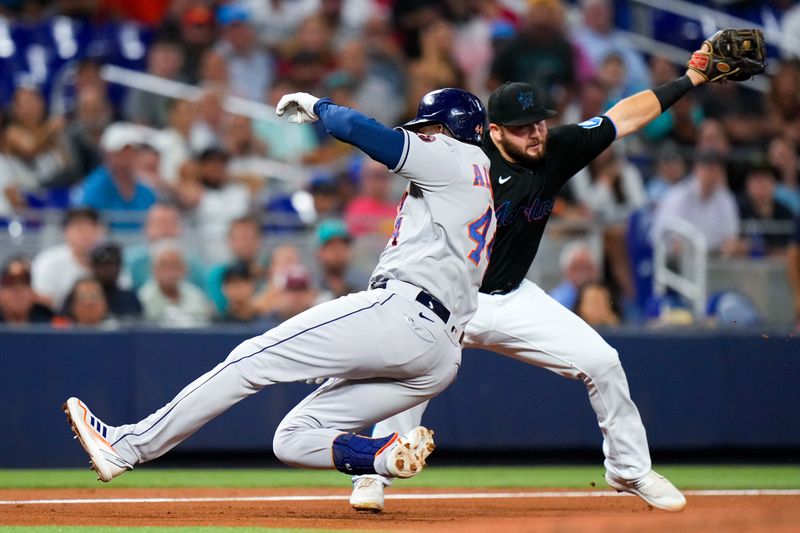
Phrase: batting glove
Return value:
(303, 105)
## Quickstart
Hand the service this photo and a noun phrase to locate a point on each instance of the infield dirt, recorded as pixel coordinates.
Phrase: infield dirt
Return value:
(751, 514)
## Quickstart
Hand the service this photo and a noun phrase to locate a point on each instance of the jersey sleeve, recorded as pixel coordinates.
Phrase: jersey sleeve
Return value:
(430, 161)
(573, 146)
(348, 125)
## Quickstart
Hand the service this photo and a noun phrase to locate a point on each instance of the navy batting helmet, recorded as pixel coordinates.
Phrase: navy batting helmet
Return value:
(461, 112)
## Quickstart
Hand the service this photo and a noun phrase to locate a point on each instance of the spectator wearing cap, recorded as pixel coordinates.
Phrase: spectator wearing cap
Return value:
(106, 263)
(295, 292)
(250, 68)
(56, 269)
(704, 201)
(245, 246)
(326, 201)
(239, 288)
(168, 299)
(337, 277)
(215, 200)
(17, 300)
(113, 186)
(762, 215)
(373, 210)
(86, 305)
(302, 209)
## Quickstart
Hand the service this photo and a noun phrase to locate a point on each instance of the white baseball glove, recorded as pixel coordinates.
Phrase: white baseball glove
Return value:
(303, 105)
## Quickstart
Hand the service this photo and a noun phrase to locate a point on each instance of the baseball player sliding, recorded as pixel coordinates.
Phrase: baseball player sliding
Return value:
(388, 348)
(515, 317)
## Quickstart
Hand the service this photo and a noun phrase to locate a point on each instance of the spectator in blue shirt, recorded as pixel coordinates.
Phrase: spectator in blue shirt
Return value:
(113, 186)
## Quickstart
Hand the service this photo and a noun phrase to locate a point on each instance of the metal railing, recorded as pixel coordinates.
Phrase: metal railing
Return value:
(691, 280)
(712, 20)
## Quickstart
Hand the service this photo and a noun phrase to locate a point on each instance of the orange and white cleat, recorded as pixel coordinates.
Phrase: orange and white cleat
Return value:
(92, 433)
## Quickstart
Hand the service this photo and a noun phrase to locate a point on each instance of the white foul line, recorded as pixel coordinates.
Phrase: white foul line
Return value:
(409, 496)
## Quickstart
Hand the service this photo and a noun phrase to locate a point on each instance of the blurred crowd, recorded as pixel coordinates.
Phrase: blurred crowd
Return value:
(132, 171)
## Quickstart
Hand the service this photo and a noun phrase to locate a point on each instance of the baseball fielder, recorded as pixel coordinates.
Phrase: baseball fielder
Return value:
(518, 319)
(387, 348)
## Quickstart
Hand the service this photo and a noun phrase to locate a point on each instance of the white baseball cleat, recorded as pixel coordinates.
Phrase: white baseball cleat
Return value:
(406, 457)
(367, 495)
(653, 488)
(91, 433)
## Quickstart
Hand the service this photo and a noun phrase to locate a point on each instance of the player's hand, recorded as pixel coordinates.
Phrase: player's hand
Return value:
(695, 76)
(302, 104)
(315, 381)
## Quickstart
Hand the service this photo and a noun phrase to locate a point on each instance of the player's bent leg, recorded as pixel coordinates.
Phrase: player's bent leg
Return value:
(318, 433)
(346, 336)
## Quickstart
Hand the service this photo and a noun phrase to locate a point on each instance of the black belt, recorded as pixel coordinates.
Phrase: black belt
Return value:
(426, 299)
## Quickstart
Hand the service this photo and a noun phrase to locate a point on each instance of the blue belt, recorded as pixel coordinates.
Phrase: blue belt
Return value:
(426, 299)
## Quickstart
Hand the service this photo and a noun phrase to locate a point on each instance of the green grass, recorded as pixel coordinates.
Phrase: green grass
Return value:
(576, 477)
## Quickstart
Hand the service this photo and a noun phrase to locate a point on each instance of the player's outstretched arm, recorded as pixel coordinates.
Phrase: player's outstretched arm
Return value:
(730, 54)
(635, 112)
(382, 144)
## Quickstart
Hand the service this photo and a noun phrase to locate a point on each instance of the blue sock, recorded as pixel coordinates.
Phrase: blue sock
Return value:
(354, 454)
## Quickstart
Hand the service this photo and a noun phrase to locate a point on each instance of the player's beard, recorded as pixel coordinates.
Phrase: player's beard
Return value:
(519, 155)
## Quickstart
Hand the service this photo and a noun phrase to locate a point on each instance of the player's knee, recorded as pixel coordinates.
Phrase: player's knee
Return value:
(604, 359)
(282, 445)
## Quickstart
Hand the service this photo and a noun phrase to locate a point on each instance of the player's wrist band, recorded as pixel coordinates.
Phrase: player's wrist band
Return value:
(670, 92)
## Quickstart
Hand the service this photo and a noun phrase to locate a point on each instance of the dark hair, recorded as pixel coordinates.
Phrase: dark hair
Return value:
(9, 274)
(106, 253)
(762, 167)
(78, 213)
(213, 153)
(582, 292)
(66, 309)
(238, 270)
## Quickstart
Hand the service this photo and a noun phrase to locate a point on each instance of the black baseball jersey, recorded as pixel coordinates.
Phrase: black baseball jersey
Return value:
(525, 197)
